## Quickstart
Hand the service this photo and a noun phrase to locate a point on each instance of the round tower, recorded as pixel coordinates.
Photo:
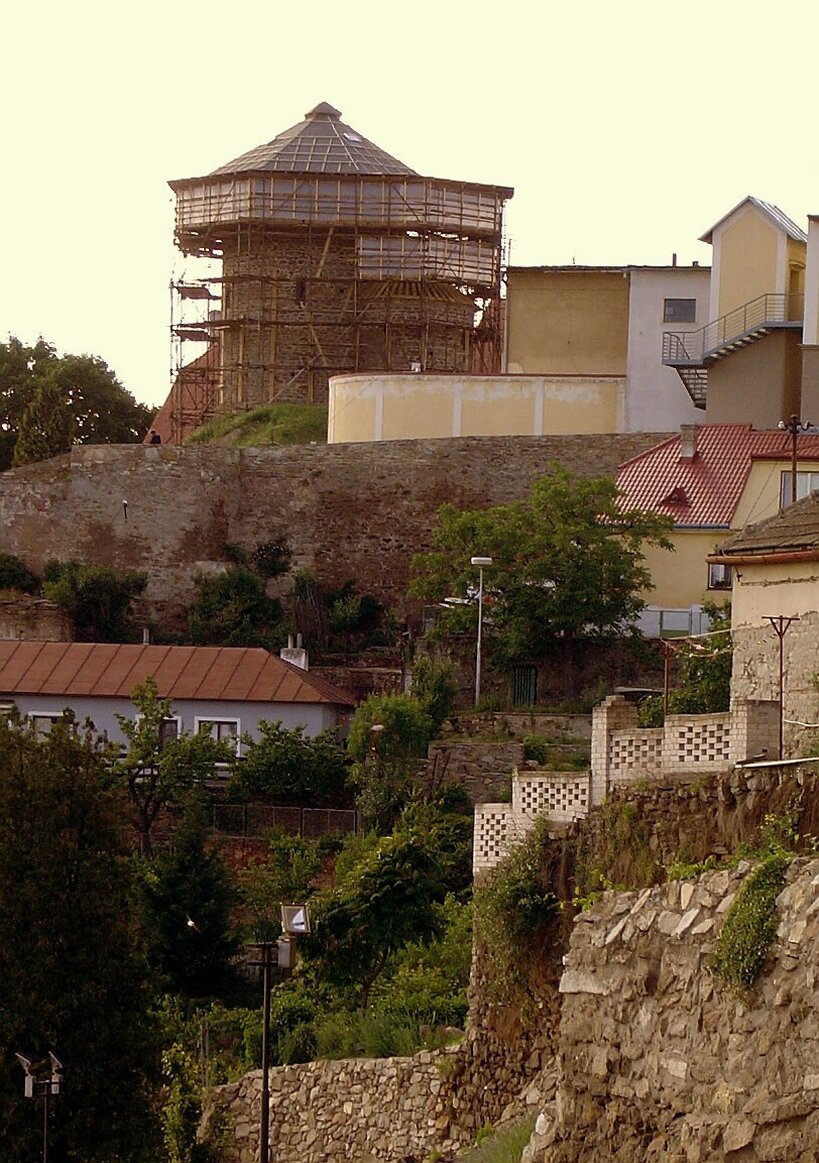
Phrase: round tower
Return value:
(335, 257)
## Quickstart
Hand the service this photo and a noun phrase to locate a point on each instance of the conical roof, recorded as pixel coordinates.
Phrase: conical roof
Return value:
(322, 143)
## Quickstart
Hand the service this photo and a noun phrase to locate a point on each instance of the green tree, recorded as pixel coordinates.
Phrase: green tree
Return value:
(46, 427)
(74, 980)
(15, 575)
(289, 767)
(284, 875)
(388, 739)
(103, 412)
(435, 686)
(383, 904)
(566, 563)
(232, 609)
(98, 598)
(158, 770)
(187, 899)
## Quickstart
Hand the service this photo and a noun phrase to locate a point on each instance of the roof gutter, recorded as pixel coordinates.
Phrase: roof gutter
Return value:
(771, 558)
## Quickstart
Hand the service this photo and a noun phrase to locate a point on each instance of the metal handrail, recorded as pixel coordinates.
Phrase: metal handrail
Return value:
(693, 347)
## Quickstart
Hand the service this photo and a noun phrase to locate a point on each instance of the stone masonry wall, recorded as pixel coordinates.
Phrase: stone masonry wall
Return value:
(349, 511)
(657, 1062)
(387, 1109)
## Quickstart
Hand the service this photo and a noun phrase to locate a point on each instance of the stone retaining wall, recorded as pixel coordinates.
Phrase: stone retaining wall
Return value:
(657, 1062)
(348, 511)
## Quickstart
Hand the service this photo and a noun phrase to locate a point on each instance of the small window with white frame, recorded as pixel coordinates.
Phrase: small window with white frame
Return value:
(806, 483)
(222, 730)
(679, 311)
(43, 721)
(720, 576)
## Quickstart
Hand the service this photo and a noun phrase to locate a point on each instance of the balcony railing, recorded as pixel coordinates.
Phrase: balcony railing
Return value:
(693, 348)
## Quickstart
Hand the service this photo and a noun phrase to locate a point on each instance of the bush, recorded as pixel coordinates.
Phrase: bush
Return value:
(232, 609)
(97, 598)
(15, 575)
(514, 909)
(435, 686)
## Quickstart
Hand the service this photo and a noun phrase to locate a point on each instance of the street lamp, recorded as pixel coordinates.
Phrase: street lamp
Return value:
(481, 562)
(794, 425)
(43, 1078)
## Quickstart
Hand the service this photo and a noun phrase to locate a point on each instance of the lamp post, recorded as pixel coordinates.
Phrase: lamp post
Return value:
(43, 1078)
(481, 562)
(794, 426)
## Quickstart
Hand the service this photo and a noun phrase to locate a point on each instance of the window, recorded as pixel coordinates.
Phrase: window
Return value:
(43, 721)
(720, 576)
(220, 729)
(680, 311)
(806, 483)
(169, 729)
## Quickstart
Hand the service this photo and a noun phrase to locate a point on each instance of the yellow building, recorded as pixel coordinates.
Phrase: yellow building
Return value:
(747, 359)
(710, 480)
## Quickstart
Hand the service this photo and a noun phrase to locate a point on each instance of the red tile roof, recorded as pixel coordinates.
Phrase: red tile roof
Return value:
(212, 673)
(704, 491)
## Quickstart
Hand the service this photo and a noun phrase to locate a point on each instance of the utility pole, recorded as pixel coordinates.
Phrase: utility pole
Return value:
(781, 624)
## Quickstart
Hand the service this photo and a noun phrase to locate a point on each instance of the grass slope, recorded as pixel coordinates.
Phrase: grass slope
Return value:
(273, 424)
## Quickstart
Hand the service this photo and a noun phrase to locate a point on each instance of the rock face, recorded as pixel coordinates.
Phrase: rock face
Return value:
(658, 1062)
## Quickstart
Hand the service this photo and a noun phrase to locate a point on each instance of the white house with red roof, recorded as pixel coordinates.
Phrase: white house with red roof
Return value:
(711, 479)
(224, 691)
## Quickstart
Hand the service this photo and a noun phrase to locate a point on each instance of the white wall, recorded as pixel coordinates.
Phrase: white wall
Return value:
(656, 399)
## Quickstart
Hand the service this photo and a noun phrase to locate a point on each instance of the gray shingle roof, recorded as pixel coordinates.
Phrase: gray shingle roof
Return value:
(322, 143)
(793, 530)
(777, 216)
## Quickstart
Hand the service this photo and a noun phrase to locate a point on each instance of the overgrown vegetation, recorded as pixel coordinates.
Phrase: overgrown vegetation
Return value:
(750, 926)
(504, 1145)
(98, 599)
(624, 858)
(515, 908)
(273, 424)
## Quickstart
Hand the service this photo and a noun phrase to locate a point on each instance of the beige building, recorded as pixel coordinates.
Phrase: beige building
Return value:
(775, 569)
(755, 357)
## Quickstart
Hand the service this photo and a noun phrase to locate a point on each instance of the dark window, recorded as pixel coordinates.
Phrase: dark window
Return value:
(719, 576)
(680, 311)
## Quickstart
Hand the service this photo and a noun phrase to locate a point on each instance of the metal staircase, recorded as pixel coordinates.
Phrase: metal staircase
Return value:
(691, 352)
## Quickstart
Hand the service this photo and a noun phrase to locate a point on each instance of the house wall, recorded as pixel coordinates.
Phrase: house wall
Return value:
(761, 592)
(412, 407)
(103, 712)
(759, 384)
(749, 260)
(567, 321)
(680, 579)
(653, 390)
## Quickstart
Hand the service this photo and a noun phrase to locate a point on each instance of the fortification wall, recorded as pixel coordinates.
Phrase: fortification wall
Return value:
(657, 1061)
(357, 511)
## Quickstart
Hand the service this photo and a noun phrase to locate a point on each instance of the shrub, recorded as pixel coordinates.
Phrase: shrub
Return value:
(15, 575)
(750, 926)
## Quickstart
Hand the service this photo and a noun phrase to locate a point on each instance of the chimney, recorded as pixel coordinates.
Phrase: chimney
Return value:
(295, 655)
(146, 636)
(688, 441)
(674, 259)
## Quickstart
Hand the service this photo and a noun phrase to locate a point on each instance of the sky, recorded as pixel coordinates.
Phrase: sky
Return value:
(626, 130)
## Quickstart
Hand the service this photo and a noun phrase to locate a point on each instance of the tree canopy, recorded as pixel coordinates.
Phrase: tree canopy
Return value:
(566, 562)
(73, 979)
(97, 408)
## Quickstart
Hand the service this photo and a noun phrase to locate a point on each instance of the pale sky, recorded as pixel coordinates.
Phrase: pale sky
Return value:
(626, 129)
